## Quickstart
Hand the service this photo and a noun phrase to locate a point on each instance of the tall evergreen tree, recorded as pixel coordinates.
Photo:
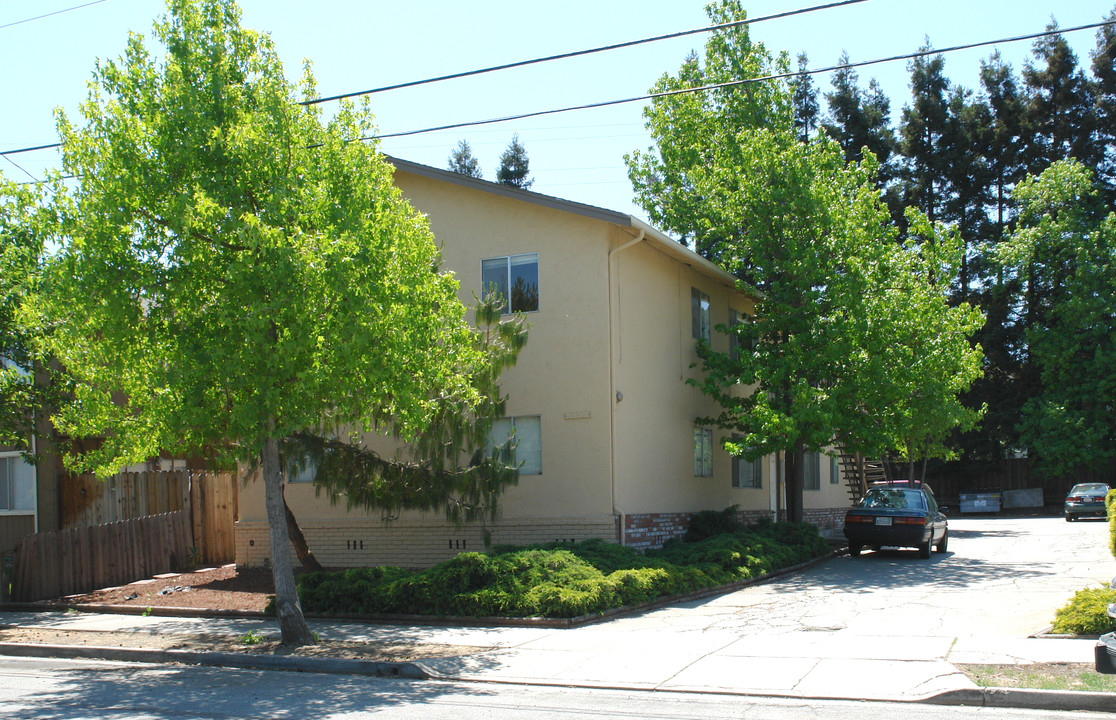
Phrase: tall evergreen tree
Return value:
(967, 181)
(804, 99)
(1104, 76)
(857, 119)
(923, 128)
(513, 168)
(461, 161)
(1061, 109)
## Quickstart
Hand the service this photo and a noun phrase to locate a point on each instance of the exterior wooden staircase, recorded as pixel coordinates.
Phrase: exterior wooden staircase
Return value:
(859, 474)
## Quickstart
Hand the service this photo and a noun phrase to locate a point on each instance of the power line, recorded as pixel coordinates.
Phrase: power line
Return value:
(579, 53)
(51, 14)
(735, 83)
(703, 88)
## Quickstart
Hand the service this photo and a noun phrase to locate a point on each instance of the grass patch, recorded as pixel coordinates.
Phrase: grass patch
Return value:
(561, 580)
(1044, 676)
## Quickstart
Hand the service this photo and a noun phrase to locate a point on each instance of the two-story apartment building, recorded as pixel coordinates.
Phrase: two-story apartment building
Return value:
(599, 399)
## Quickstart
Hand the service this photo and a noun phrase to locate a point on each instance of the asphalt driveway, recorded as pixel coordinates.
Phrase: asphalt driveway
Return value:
(1003, 577)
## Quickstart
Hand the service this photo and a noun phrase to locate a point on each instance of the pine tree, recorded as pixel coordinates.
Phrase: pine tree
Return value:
(461, 161)
(1104, 75)
(804, 98)
(513, 168)
(857, 119)
(1061, 112)
(923, 126)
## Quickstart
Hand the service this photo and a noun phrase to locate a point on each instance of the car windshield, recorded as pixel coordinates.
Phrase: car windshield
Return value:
(1090, 489)
(893, 498)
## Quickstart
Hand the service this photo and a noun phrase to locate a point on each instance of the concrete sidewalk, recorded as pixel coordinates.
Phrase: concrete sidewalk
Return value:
(683, 648)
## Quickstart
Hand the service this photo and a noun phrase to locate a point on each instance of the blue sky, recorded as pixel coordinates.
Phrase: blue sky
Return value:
(579, 156)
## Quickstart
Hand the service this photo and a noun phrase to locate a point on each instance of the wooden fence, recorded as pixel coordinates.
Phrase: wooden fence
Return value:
(86, 500)
(87, 555)
(66, 562)
(949, 480)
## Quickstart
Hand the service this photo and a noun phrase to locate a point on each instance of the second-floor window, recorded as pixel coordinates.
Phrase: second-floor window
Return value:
(699, 313)
(515, 278)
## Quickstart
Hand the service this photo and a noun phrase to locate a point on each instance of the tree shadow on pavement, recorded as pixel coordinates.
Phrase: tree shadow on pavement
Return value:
(110, 692)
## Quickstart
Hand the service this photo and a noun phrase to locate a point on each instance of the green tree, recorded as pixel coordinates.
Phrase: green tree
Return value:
(804, 97)
(234, 273)
(21, 257)
(922, 130)
(860, 120)
(1061, 112)
(513, 169)
(808, 230)
(1065, 247)
(1104, 74)
(461, 161)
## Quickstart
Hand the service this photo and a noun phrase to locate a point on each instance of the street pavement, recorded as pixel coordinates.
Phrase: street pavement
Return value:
(885, 626)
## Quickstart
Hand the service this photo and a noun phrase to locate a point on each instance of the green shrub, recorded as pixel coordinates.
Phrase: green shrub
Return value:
(710, 523)
(1110, 505)
(560, 579)
(1086, 613)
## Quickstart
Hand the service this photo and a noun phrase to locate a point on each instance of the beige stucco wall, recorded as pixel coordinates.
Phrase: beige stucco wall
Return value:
(561, 376)
(605, 324)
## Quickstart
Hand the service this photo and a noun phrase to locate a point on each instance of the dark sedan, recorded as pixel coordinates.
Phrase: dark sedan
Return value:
(897, 517)
(1086, 500)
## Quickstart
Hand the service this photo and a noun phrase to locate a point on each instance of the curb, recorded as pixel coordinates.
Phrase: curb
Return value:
(975, 697)
(1025, 699)
(246, 661)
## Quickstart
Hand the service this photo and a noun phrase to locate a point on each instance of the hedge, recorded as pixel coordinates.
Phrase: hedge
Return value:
(560, 580)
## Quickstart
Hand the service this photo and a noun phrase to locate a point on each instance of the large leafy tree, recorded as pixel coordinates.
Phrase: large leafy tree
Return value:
(1065, 248)
(809, 231)
(237, 276)
(21, 254)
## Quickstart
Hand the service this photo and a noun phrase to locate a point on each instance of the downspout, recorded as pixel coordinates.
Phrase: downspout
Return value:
(614, 394)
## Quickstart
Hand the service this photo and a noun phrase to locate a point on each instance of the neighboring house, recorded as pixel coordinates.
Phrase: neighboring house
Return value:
(28, 498)
(599, 399)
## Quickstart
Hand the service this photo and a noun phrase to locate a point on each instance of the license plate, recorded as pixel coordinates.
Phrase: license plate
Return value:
(883, 521)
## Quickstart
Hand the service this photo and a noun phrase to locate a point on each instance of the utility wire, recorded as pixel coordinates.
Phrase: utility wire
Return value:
(23, 170)
(51, 14)
(579, 53)
(703, 88)
(735, 83)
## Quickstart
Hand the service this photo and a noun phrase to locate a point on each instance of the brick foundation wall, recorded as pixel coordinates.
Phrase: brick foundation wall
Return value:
(649, 531)
(356, 543)
(827, 519)
(411, 544)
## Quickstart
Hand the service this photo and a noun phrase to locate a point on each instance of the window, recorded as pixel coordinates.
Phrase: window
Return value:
(811, 471)
(17, 484)
(699, 313)
(515, 278)
(527, 430)
(746, 473)
(304, 474)
(703, 452)
(735, 341)
(834, 471)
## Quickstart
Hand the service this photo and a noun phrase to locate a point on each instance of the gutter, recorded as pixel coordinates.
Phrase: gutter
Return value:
(615, 395)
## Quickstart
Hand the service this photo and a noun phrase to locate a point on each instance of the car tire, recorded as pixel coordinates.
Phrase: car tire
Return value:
(854, 549)
(943, 545)
(924, 550)
(1069, 518)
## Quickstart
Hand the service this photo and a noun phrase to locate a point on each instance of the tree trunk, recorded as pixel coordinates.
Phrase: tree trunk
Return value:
(302, 549)
(795, 466)
(292, 624)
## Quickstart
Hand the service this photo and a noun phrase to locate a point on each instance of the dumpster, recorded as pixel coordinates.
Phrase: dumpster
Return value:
(980, 502)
